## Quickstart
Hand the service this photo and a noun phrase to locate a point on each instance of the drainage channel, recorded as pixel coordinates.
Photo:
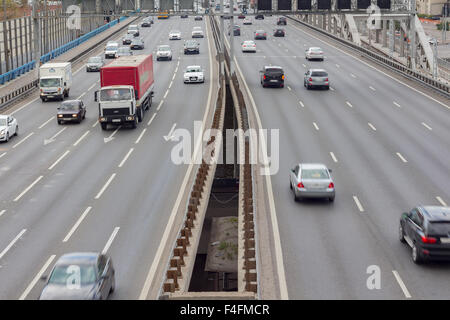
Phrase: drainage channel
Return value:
(214, 256)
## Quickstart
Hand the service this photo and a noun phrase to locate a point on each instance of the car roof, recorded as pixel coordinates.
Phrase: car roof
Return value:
(436, 213)
(71, 101)
(78, 257)
(189, 67)
(312, 166)
(260, 30)
(272, 67)
(3, 116)
(318, 70)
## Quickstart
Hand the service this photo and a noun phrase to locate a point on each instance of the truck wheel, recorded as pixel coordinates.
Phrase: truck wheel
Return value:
(67, 93)
(140, 115)
(134, 124)
(104, 125)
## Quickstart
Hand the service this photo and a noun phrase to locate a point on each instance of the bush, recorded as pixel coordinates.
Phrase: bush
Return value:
(440, 26)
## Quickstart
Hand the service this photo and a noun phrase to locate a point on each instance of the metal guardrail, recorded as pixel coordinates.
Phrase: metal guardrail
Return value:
(429, 82)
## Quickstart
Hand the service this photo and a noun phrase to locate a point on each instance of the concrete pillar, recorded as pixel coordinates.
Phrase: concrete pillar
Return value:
(324, 25)
(377, 35)
(335, 26)
(98, 6)
(384, 33)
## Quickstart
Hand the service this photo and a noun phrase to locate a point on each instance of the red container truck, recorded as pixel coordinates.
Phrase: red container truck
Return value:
(126, 90)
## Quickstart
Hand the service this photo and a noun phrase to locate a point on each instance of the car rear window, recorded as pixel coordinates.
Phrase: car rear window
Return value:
(314, 174)
(439, 227)
(274, 71)
(319, 74)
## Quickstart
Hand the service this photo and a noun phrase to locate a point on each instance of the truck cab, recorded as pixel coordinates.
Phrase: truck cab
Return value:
(117, 105)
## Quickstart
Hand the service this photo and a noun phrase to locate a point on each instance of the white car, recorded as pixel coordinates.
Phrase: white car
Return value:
(247, 21)
(194, 74)
(175, 35)
(163, 52)
(314, 53)
(111, 50)
(8, 127)
(248, 46)
(197, 32)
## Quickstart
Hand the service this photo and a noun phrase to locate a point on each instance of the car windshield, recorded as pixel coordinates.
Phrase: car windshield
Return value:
(123, 50)
(193, 69)
(319, 74)
(69, 106)
(111, 48)
(314, 174)
(115, 94)
(315, 49)
(259, 31)
(175, 31)
(439, 227)
(248, 43)
(95, 60)
(64, 274)
(50, 82)
(2, 122)
(164, 48)
(197, 29)
(274, 70)
(191, 43)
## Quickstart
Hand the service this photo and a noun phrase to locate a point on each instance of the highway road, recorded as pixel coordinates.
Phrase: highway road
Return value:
(69, 188)
(388, 146)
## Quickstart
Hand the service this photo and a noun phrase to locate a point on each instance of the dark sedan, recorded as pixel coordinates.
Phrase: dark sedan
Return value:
(427, 231)
(260, 35)
(198, 18)
(236, 30)
(272, 76)
(279, 33)
(95, 64)
(80, 276)
(71, 111)
(137, 44)
(259, 17)
(191, 46)
(184, 16)
(146, 23)
(282, 21)
(127, 39)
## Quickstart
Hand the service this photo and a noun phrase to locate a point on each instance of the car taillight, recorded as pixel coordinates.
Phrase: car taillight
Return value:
(326, 79)
(264, 77)
(310, 79)
(428, 239)
(300, 185)
(282, 77)
(331, 185)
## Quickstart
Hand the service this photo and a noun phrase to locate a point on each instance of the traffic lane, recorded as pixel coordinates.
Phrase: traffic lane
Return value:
(143, 204)
(421, 107)
(327, 125)
(311, 149)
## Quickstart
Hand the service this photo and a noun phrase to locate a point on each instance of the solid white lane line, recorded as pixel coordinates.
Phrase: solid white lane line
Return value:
(358, 204)
(27, 189)
(349, 104)
(96, 123)
(170, 84)
(59, 159)
(110, 240)
(37, 278)
(151, 119)
(2, 212)
(92, 86)
(401, 157)
(316, 126)
(442, 202)
(46, 122)
(397, 105)
(333, 157)
(301, 103)
(105, 186)
(372, 126)
(372, 88)
(25, 105)
(401, 284)
(126, 158)
(140, 136)
(21, 141)
(81, 138)
(427, 126)
(77, 224)
(165, 95)
(3, 154)
(173, 78)
(12, 243)
(159, 105)
(82, 95)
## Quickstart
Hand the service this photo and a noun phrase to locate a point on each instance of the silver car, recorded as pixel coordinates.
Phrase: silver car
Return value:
(311, 180)
(316, 78)
(95, 64)
(314, 53)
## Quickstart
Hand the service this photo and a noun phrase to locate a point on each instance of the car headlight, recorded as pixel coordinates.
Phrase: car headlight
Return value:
(74, 115)
(60, 115)
(2, 132)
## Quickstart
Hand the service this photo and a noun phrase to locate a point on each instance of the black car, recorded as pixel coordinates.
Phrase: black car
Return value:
(191, 46)
(146, 23)
(184, 16)
(282, 21)
(260, 35)
(137, 44)
(71, 111)
(236, 30)
(427, 231)
(198, 18)
(80, 276)
(127, 39)
(279, 33)
(259, 17)
(272, 76)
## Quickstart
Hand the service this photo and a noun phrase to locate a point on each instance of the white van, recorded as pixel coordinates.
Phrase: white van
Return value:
(55, 80)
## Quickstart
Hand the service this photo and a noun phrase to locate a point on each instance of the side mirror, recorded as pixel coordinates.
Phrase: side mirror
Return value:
(135, 94)
(65, 84)
(96, 96)
(44, 278)
(330, 171)
(293, 170)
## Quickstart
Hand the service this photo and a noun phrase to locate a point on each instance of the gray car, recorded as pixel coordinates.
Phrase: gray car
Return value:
(311, 180)
(95, 63)
(316, 78)
(124, 51)
(80, 276)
